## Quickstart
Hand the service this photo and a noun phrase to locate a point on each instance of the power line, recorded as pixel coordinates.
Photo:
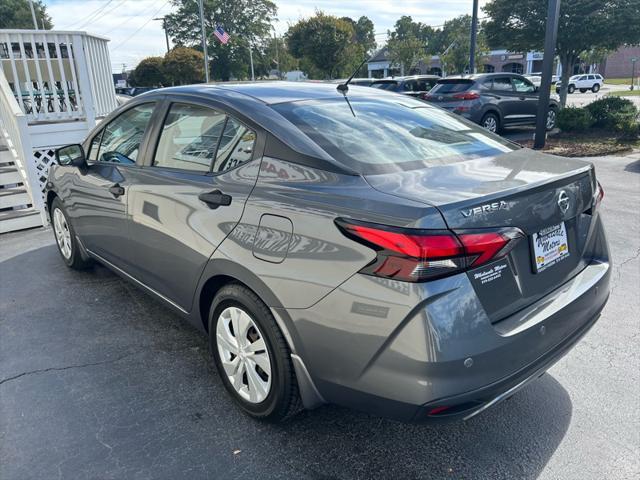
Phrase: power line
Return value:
(129, 18)
(104, 12)
(141, 27)
(83, 19)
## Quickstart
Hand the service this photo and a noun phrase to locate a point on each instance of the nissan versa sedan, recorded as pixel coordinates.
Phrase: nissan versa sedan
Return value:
(339, 245)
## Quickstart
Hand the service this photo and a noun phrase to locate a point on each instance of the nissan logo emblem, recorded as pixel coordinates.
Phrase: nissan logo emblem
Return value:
(563, 201)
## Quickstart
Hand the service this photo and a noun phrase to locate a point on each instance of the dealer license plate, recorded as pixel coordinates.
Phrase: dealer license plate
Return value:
(550, 246)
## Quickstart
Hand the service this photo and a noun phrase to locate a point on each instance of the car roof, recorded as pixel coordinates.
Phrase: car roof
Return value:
(269, 92)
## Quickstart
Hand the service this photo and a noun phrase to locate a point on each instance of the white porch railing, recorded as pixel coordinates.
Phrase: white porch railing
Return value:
(58, 75)
(15, 132)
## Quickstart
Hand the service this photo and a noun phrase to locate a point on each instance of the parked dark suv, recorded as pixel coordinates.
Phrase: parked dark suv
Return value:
(414, 86)
(493, 100)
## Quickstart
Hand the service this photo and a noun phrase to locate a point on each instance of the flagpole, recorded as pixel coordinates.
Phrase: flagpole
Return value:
(253, 77)
(204, 43)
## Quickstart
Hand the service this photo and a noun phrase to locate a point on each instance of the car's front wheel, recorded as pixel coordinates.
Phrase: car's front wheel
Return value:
(595, 88)
(552, 116)
(491, 122)
(571, 89)
(251, 355)
(66, 238)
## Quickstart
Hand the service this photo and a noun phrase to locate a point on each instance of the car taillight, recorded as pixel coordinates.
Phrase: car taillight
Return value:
(426, 96)
(419, 255)
(466, 96)
(599, 194)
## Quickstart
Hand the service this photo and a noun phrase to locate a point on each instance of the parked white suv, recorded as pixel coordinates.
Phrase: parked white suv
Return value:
(591, 81)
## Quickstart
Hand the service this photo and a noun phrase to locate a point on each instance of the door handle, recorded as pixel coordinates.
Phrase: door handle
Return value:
(215, 199)
(116, 190)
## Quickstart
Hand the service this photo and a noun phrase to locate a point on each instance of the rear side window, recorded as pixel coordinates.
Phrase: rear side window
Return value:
(122, 137)
(189, 137)
(236, 146)
(378, 136)
(502, 84)
(392, 86)
(452, 86)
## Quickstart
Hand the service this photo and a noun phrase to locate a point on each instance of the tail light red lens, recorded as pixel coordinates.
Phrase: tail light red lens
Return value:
(466, 96)
(420, 255)
(599, 193)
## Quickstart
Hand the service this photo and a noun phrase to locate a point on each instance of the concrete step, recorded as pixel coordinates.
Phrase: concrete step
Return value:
(9, 176)
(14, 197)
(12, 220)
(5, 158)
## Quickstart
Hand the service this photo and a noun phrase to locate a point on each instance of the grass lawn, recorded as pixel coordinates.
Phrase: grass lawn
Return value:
(618, 81)
(626, 93)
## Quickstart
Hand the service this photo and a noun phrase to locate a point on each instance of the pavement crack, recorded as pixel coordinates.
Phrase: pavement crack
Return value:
(69, 367)
(620, 265)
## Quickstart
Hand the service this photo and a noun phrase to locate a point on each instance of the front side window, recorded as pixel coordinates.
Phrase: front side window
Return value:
(523, 86)
(502, 84)
(122, 137)
(189, 137)
(379, 136)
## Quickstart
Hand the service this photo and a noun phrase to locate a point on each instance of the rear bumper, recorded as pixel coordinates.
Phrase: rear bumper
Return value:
(390, 359)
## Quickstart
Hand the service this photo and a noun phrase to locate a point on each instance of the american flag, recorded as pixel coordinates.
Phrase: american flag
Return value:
(221, 34)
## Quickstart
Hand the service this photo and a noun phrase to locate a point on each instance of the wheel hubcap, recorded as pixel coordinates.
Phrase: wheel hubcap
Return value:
(490, 124)
(63, 235)
(244, 354)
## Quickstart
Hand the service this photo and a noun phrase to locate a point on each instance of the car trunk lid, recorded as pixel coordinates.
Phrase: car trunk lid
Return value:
(548, 198)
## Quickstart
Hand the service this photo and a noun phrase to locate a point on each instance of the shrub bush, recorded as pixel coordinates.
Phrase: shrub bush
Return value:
(613, 113)
(573, 119)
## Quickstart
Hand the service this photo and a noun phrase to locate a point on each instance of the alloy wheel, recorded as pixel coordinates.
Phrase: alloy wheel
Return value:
(490, 124)
(63, 235)
(244, 354)
(551, 119)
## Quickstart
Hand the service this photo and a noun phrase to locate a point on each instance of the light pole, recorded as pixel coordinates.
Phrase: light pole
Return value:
(550, 37)
(633, 70)
(33, 15)
(474, 36)
(275, 34)
(204, 43)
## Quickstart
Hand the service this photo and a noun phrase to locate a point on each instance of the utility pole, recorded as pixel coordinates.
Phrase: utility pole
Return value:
(550, 37)
(204, 43)
(33, 15)
(474, 37)
(164, 27)
(253, 77)
(633, 70)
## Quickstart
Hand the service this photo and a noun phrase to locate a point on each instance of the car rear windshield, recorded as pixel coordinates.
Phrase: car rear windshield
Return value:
(452, 86)
(380, 136)
(390, 85)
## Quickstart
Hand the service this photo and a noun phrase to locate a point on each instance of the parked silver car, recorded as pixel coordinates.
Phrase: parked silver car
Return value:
(346, 246)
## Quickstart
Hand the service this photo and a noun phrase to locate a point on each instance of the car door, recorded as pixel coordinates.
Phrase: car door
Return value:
(97, 196)
(528, 105)
(190, 194)
(505, 97)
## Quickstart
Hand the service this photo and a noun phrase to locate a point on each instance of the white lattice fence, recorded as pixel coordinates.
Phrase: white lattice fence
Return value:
(43, 159)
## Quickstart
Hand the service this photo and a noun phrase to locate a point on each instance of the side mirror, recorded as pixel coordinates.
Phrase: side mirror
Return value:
(72, 155)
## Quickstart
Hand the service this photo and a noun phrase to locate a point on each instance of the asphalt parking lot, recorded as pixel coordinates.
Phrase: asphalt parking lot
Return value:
(99, 381)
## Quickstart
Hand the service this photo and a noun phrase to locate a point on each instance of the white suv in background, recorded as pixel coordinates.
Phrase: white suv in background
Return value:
(590, 81)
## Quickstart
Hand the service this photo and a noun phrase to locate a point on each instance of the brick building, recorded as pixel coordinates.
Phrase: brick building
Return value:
(619, 64)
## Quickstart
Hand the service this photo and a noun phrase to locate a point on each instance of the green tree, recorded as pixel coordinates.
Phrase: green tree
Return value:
(583, 25)
(148, 73)
(409, 43)
(183, 66)
(454, 40)
(16, 14)
(272, 54)
(246, 21)
(364, 33)
(326, 46)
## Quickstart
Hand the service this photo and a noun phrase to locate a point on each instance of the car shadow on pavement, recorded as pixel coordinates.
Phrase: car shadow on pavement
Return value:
(98, 380)
(633, 167)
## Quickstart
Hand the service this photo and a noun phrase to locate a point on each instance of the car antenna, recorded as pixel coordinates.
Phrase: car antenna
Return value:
(344, 87)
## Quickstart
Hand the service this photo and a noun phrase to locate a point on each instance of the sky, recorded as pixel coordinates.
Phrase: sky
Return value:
(134, 34)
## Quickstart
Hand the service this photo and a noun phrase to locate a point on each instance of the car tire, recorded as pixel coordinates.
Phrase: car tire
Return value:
(571, 89)
(595, 88)
(583, 90)
(265, 389)
(66, 239)
(552, 117)
(491, 122)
